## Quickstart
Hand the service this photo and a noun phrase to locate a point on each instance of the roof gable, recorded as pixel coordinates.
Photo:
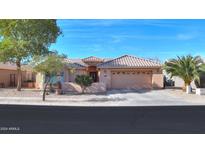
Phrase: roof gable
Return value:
(92, 59)
(128, 61)
(75, 63)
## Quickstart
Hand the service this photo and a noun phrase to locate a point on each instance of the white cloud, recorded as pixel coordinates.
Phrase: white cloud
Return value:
(185, 36)
(114, 22)
(142, 37)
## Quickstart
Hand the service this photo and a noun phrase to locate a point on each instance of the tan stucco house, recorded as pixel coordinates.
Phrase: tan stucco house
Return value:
(8, 76)
(125, 72)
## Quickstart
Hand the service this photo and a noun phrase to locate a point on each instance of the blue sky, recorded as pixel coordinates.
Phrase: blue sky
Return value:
(162, 39)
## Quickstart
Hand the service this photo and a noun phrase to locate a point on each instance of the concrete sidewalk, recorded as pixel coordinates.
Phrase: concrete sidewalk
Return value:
(165, 97)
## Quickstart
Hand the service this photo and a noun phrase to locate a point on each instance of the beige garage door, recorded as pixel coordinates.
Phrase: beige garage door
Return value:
(131, 80)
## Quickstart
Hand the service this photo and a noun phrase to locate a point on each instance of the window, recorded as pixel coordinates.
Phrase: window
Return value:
(62, 74)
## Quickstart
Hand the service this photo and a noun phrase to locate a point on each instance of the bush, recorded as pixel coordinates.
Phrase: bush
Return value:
(84, 81)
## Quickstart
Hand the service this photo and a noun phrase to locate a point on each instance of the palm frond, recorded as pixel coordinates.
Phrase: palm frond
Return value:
(187, 67)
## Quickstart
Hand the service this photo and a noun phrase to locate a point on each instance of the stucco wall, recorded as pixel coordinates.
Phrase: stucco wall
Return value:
(28, 75)
(66, 75)
(105, 77)
(157, 80)
(5, 76)
(39, 80)
(69, 75)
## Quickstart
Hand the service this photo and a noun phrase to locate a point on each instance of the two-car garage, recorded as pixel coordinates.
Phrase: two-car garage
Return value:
(131, 79)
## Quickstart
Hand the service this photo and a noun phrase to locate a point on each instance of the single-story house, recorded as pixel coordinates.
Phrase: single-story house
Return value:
(8, 75)
(125, 72)
(179, 83)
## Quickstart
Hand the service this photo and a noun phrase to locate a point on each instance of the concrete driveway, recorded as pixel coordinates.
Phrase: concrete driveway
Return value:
(164, 97)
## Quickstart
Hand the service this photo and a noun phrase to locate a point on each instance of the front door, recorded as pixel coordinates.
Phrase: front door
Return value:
(94, 76)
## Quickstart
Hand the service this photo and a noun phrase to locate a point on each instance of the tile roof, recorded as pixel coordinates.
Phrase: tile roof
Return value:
(79, 61)
(75, 63)
(80, 64)
(92, 59)
(127, 61)
(12, 66)
(8, 66)
(107, 59)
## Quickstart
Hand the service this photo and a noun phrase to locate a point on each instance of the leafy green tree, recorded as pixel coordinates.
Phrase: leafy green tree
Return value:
(22, 39)
(84, 81)
(50, 66)
(187, 68)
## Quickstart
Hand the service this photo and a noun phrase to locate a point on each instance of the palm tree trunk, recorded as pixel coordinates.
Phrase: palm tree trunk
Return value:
(187, 84)
(18, 64)
(184, 87)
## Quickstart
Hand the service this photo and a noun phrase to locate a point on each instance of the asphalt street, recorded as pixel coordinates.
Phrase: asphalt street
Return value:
(109, 120)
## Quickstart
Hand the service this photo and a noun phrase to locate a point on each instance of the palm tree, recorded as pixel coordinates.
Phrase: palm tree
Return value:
(188, 68)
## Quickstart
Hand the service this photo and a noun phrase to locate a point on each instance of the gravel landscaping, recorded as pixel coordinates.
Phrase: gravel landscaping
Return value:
(111, 98)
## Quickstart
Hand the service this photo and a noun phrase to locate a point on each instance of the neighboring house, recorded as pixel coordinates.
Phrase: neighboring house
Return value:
(8, 75)
(179, 83)
(125, 72)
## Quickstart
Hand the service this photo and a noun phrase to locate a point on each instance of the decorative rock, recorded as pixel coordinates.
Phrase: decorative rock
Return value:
(97, 87)
(71, 87)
